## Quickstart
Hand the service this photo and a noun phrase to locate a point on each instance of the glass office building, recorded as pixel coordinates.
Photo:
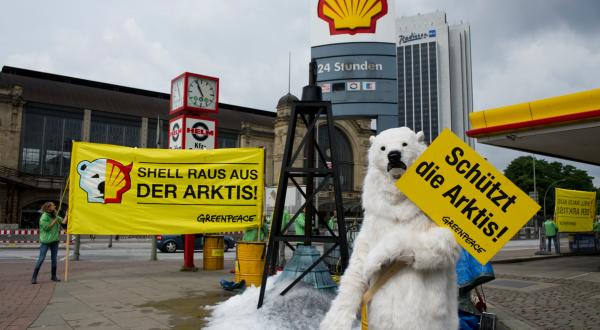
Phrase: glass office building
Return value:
(434, 75)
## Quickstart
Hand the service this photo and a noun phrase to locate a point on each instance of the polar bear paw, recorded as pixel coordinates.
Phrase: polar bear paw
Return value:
(373, 265)
(336, 320)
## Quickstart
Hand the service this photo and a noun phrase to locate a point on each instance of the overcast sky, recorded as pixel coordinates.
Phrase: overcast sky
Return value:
(522, 49)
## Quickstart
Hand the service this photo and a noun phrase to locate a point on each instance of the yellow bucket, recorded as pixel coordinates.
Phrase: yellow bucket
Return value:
(250, 262)
(213, 252)
(363, 318)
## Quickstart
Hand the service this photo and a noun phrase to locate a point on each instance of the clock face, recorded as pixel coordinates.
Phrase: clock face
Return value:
(177, 92)
(202, 93)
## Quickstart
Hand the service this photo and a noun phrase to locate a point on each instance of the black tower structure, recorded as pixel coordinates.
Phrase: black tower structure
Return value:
(307, 112)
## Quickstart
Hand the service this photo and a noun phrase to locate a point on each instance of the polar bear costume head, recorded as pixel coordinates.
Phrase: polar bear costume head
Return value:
(391, 153)
(394, 150)
(92, 176)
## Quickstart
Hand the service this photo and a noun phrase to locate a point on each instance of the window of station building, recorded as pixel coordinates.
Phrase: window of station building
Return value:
(344, 155)
(418, 120)
(227, 139)
(401, 86)
(409, 87)
(164, 134)
(425, 90)
(433, 79)
(47, 136)
(115, 129)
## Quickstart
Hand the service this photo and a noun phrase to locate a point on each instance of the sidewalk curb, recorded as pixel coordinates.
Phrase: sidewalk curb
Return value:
(542, 257)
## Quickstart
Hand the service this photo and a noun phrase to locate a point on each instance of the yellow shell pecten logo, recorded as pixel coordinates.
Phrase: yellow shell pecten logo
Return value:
(352, 16)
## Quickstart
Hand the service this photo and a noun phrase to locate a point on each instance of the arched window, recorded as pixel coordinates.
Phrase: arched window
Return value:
(344, 155)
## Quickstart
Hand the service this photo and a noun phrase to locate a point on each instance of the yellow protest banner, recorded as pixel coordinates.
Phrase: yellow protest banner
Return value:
(460, 190)
(574, 210)
(121, 190)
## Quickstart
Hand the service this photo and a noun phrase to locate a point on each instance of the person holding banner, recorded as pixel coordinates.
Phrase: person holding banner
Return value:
(49, 236)
(551, 230)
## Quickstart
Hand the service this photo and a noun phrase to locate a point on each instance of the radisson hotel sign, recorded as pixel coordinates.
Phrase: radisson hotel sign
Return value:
(353, 42)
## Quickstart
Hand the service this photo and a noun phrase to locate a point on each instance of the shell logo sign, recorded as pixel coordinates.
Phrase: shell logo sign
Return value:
(104, 180)
(352, 16)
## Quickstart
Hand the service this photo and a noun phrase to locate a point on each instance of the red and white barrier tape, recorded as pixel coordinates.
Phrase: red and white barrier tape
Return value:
(23, 235)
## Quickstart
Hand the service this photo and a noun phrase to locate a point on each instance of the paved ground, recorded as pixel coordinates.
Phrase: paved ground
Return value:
(110, 295)
(108, 292)
(559, 293)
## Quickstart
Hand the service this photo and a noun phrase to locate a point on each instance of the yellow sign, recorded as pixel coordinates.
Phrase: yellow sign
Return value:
(352, 16)
(460, 190)
(574, 210)
(121, 190)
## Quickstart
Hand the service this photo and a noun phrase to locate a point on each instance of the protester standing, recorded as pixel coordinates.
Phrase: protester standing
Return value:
(596, 229)
(551, 230)
(299, 223)
(332, 220)
(49, 236)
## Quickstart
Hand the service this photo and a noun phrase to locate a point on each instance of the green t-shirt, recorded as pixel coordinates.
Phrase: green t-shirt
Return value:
(550, 228)
(299, 224)
(250, 234)
(330, 222)
(49, 235)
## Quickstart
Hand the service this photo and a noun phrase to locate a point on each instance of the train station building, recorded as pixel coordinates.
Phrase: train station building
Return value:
(42, 113)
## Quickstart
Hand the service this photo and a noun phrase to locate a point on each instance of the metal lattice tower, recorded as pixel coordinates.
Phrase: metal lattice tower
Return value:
(307, 112)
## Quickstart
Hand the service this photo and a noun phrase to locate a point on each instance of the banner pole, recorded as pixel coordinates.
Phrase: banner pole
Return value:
(62, 196)
(67, 258)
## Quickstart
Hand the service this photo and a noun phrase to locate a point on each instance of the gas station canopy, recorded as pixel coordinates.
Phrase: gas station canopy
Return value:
(566, 126)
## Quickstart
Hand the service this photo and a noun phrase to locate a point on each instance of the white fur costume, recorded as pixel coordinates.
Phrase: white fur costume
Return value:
(424, 294)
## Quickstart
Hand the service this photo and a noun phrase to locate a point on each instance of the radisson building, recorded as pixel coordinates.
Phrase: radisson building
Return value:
(434, 75)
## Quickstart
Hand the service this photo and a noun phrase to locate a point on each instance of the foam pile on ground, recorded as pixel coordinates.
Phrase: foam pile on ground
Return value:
(303, 307)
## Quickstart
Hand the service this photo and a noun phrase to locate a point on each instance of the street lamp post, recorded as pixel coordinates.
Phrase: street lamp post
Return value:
(545, 195)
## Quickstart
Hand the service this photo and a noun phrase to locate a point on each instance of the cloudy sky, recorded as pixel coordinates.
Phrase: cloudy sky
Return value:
(522, 49)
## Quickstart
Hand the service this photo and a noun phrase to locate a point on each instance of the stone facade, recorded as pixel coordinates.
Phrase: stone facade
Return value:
(260, 136)
(357, 131)
(11, 110)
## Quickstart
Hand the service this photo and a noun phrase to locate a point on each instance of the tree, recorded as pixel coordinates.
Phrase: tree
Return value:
(520, 172)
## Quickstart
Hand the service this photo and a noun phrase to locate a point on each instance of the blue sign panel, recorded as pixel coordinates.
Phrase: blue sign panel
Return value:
(360, 80)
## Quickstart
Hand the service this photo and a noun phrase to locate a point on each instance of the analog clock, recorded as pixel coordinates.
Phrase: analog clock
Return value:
(177, 93)
(202, 93)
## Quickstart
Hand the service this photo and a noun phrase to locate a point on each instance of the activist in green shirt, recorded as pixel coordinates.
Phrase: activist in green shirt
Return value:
(332, 220)
(596, 229)
(299, 223)
(551, 230)
(49, 236)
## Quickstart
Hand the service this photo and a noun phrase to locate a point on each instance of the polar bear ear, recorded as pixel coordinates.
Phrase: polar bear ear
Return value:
(81, 167)
(371, 139)
(421, 137)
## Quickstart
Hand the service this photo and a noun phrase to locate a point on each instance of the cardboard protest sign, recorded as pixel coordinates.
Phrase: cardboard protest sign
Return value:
(460, 190)
(121, 190)
(574, 210)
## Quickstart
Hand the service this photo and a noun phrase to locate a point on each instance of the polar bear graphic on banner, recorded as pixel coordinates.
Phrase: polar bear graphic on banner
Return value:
(104, 180)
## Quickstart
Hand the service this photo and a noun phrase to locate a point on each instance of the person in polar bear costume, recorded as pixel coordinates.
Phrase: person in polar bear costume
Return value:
(423, 294)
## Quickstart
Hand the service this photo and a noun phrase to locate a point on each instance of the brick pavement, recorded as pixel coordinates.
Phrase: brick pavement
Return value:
(22, 302)
(548, 303)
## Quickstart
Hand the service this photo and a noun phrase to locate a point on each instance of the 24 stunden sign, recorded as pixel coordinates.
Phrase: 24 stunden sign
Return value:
(460, 190)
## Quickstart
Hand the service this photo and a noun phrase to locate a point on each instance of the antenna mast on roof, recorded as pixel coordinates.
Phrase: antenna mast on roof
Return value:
(289, 70)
